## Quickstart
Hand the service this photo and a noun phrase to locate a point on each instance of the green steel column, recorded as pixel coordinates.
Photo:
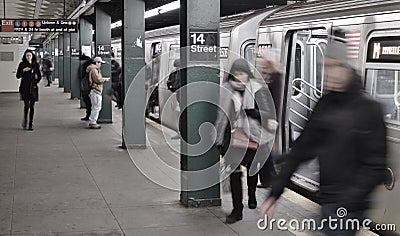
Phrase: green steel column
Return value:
(61, 60)
(199, 26)
(85, 43)
(75, 70)
(67, 62)
(56, 59)
(133, 122)
(103, 49)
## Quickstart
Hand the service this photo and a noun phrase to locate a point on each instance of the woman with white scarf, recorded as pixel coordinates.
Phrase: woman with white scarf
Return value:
(245, 103)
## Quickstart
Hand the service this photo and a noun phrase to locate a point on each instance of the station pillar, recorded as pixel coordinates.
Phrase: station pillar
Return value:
(199, 27)
(60, 61)
(75, 70)
(67, 62)
(85, 43)
(56, 59)
(103, 50)
(133, 121)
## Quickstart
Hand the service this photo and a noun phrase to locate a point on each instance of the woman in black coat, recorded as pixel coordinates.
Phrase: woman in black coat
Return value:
(28, 70)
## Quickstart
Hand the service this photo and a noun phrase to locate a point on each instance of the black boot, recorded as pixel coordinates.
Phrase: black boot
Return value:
(251, 189)
(24, 124)
(30, 126)
(235, 216)
(237, 197)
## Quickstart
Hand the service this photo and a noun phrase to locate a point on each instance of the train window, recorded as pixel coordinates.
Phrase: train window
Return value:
(386, 90)
(319, 69)
(249, 52)
(384, 49)
(156, 49)
(174, 53)
(297, 69)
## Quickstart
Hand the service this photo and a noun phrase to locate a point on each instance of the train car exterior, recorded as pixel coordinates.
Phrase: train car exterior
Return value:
(373, 34)
(237, 39)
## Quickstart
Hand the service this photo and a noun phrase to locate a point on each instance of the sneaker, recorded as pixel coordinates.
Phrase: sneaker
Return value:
(94, 126)
(47, 85)
(30, 127)
(85, 118)
(234, 217)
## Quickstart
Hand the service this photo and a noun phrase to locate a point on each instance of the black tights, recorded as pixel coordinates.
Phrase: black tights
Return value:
(29, 106)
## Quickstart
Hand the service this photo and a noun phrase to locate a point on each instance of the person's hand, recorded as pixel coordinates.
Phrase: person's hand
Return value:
(26, 69)
(268, 208)
(272, 124)
(107, 79)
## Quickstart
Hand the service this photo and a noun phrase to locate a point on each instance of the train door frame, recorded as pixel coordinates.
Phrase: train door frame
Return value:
(154, 108)
(308, 47)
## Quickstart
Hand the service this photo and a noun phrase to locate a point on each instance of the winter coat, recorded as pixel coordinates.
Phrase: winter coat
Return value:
(346, 131)
(96, 81)
(28, 87)
(115, 71)
(261, 113)
(46, 64)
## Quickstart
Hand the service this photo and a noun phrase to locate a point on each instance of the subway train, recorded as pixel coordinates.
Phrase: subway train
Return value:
(300, 31)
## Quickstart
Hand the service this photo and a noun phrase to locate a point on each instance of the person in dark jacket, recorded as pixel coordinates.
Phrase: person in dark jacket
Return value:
(85, 87)
(47, 68)
(116, 81)
(347, 132)
(244, 102)
(29, 73)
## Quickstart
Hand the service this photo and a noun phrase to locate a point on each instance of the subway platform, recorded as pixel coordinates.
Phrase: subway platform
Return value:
(64, 179)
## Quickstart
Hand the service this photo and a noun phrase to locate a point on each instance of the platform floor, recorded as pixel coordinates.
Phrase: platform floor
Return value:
(64, 179)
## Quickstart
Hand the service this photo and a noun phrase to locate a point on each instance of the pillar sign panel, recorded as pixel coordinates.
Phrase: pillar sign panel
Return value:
(104, 51)
(74, 52)
(204, 45)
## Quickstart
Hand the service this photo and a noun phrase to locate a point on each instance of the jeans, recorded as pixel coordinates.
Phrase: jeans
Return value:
(95, 99)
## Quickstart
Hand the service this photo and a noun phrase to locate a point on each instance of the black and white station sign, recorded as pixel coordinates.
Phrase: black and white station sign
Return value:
(204, 46)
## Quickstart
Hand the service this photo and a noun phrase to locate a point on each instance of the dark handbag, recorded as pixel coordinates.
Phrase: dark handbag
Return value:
(240, 140)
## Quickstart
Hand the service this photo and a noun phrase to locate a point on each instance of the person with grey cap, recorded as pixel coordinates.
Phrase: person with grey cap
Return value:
(346, 131)
(96, 82)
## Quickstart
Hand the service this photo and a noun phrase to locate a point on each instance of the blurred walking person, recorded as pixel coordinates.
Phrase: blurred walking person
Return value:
(347, 132)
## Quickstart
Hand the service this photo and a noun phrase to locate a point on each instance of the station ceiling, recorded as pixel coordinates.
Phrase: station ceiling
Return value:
(58, 9)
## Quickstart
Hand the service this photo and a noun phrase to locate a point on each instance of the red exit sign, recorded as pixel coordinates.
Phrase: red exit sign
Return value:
(7, 26)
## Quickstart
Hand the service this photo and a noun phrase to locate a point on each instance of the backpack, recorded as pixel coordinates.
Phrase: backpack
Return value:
(85, 87)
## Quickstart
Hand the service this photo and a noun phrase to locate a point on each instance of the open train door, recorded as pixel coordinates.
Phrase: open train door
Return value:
(304, 78)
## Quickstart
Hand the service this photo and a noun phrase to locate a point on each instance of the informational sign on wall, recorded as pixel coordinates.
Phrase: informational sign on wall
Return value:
(30, 25)
(87, 50)
(204, 45)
